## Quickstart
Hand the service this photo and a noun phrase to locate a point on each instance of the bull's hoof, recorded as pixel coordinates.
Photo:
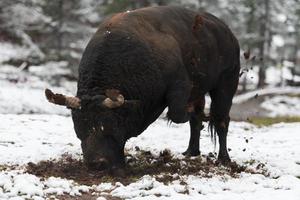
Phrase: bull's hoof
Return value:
(118, 172)
(223, 160)
(191, 152)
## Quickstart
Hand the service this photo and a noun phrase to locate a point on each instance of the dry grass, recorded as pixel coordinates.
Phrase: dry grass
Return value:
(267, 121)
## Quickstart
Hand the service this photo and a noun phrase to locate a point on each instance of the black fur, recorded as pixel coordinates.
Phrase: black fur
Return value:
(162, 57)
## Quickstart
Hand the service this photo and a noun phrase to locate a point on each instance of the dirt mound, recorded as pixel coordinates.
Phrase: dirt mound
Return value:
(162, 167)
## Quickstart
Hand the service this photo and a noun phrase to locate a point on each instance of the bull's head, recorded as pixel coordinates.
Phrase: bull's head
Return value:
(99, 127)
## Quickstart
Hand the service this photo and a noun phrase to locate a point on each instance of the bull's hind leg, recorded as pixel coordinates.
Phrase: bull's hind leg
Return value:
(221, 103)
(195, 127)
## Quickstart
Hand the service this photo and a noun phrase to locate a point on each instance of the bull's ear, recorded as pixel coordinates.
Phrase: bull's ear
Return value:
(133, 102)
(113, 94)
(115, 99)
(132, 105)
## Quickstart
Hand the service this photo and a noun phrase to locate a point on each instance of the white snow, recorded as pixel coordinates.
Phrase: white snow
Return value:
(21, 99)
(282, 105)
(275, 75)
(16, 183)
(24, 15)
(278, 40)
(60, 186)
(246, 187)
(23, 92)
(271, 90)
(9, 51)
(31, 138)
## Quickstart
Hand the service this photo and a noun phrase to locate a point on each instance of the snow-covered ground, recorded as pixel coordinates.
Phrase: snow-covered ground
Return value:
(9, 51)
(282, 105)
(32, 130)
(266, 91)
(32, 138)
(275, 75)
(22, 92)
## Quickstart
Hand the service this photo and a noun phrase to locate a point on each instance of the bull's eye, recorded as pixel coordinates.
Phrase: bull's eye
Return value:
(101, 126)
(94, 130)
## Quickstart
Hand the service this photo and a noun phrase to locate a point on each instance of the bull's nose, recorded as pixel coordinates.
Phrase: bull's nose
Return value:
(99, 164)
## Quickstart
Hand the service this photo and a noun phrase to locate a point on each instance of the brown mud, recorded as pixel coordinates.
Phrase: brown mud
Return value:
(85, 196)
(162, 167)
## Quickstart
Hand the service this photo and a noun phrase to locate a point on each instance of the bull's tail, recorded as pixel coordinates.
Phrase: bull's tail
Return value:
(211, 126)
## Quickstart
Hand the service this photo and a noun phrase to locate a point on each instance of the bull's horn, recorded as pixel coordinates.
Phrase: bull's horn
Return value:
(109, 103)
(59, 99)
(114, 99)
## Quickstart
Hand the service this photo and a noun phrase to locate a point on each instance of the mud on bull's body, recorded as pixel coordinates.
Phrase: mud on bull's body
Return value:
(140, 62)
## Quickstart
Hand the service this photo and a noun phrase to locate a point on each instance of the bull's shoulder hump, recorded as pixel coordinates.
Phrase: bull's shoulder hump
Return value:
(212, 19)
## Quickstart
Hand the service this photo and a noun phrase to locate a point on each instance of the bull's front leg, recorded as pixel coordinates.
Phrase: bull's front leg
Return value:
(195, 128)
(197, 117)
(177, 100)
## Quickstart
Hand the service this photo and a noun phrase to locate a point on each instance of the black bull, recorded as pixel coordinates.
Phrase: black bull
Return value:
(140, 62)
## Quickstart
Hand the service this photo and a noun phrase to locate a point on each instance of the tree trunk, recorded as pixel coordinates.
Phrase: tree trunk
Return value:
(295, 58)
(263, 34)
(143, 3)
(244, 84)
(249, 30)
(162, 2)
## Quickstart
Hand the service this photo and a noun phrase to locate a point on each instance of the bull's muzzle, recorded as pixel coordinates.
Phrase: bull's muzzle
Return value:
(98, 164)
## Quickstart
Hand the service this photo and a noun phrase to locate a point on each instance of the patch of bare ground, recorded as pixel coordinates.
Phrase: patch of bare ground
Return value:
(162, 167)
(8, 167)
(86, 196)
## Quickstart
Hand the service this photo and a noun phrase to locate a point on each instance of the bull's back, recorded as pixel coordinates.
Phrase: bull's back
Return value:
(205, 48)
